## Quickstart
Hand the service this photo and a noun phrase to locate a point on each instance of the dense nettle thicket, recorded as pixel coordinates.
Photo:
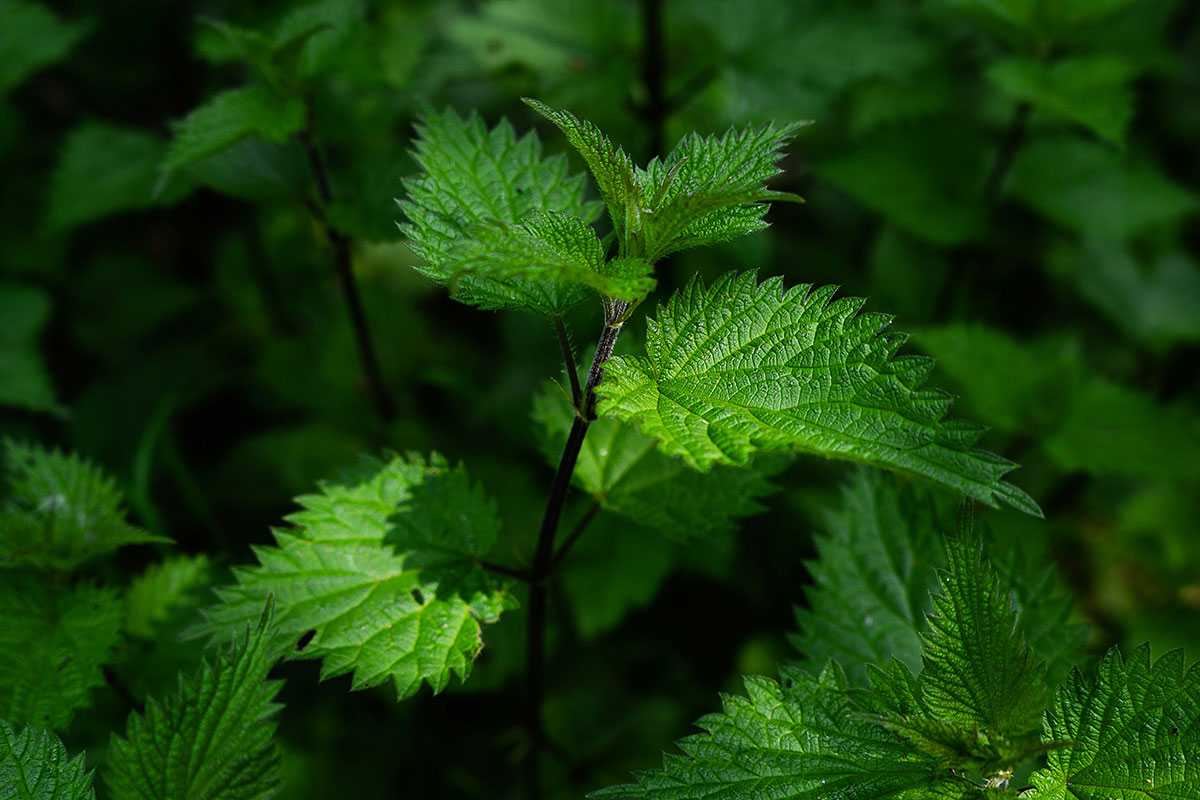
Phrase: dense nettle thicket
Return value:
(337, 252)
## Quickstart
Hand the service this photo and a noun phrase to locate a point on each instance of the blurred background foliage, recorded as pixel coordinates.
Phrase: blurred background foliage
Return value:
(1015, 179)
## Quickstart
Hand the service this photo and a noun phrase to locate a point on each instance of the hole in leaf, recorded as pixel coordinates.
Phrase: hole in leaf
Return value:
(418, 597)
(305, 638)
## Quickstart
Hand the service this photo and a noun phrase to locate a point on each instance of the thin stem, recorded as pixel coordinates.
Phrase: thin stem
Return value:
(653, 73)
(344, 267)
(543, 563)
(1013, 137)
(576, 532)
(500, 569)
(564, 341)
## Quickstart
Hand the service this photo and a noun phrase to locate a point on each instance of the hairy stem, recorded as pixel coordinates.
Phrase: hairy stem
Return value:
(543, 563)
(344, 268)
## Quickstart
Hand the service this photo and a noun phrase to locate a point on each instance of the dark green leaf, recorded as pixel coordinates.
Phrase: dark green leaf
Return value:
(53, 642)
(209, 740)
(34, 765)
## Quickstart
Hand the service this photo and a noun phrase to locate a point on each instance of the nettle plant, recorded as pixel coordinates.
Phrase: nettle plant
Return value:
(932, 664)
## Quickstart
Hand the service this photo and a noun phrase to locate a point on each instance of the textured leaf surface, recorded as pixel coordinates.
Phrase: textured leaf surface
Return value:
(104, 169)
(741, 367)
(61, 511)
(979, 671)
(211, 739)
(797, 740)
(711, 189)
(24, 380)
(34, 765)
(1134, 730)
(472, 176)
(708, 189)
(629, 476)
(380, 568)
(613, 170)
(873, 577)
(32, 37)
(230, 117)
(548, 246)
(53, 642)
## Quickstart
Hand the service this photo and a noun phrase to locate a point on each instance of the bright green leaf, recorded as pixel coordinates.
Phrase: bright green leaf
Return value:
(709, 189)
(741, 367)
(472, 176)
(104, 169)
(61, 511)
(380, 568)
(230, 117)
(31, 38)
(209, 740)
(547, 247)
(629, 476)
(1093, 91)
(801, 740)
(979, 671)
(34, 765)
(613, 170)
(52, 645)
(1133, 730)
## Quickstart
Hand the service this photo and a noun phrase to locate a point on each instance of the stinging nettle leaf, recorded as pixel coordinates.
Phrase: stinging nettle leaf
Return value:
(211, 740)
(872, 578)
(800, 739)
(34, 765)
(741, 367)
(979, 671)
(61, 511)
(231, 116)
(1133, 729)
(161, 588)
(614, 172)
(382, 566)
(548, 246)
(471, 177)
(629, 476)
(711, 189)
(119, 168)
(53, 642)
